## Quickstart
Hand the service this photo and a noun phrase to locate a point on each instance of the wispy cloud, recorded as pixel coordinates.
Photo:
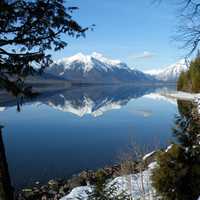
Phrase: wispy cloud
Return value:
(142, 56)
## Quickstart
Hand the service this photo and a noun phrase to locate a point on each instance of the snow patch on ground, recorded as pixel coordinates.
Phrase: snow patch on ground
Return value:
(137, 185)
(160, 97)
(148, 155)
(78, 193)
(197, 101)
(194, 97)
(169, 147)
(181, 95)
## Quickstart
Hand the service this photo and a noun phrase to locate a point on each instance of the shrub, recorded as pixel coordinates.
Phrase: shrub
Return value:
(176, 177)
(101, 190)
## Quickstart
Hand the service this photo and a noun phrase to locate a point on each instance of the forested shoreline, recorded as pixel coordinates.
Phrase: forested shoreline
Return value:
(189, 81)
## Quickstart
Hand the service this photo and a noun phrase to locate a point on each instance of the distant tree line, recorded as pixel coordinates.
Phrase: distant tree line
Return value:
(189, 81)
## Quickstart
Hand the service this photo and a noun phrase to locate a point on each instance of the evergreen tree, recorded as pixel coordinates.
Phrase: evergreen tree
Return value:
(104, 191)
(190, 80)
(27, 30)
(177, 176)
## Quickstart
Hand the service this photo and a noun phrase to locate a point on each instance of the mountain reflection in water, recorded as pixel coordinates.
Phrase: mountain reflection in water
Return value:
(93, 100)
(60, 133)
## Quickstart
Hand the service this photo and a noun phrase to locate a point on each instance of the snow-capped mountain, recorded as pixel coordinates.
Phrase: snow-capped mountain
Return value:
(170, 73)
(94, 100)
(96, 68)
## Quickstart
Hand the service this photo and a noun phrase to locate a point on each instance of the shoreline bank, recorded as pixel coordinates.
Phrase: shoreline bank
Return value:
(56, 188)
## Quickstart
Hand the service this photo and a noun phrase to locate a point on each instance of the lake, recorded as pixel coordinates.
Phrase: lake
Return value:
(61, 133)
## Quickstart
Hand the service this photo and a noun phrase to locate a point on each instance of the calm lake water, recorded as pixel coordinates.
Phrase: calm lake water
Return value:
(64, 132)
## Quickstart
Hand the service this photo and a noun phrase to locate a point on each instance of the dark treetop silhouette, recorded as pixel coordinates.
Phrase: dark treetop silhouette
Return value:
(27, 30)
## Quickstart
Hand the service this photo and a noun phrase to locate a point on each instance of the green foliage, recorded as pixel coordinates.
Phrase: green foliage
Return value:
(195, 74)
(102, 191)
(177, 176)
(184, 82)
(185, 108)
(28, 29)
(190, 80)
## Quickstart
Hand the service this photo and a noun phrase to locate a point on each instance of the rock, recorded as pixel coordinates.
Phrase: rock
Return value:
(27, 192)
(44, 188)
(83, 175)
(57, 197)
(75, 182)
(20, 197)
(66, 188)
(37, 183)
(61, 191)
(56, 189)
(52, 192)
(44, 197)
(53, 184)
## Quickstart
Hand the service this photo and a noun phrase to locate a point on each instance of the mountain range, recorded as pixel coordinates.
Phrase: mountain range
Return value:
(97, 69)
(170, 73)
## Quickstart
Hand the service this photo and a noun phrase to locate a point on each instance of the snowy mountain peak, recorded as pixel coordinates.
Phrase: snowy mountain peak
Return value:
(97, 55)
(170, 73)
(79, 56)
(102, 58)
(96, 68)
(178, 66)
(90, 61)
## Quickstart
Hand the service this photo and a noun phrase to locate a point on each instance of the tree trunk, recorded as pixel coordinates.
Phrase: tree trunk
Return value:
(6, 190)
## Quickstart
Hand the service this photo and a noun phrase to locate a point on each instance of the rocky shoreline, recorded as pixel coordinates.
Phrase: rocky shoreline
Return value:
(56, 189)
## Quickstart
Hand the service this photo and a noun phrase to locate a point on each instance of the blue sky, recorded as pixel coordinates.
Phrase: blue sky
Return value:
(134, 31)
